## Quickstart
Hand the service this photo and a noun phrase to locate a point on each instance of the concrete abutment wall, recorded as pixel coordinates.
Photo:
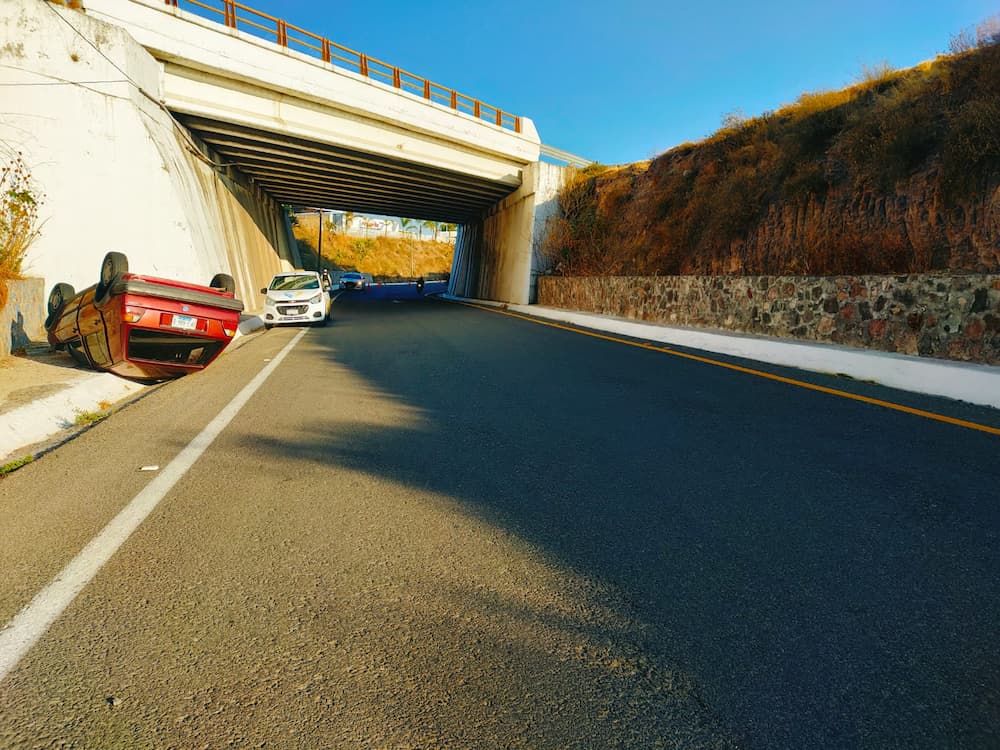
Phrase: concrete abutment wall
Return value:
(114, 169)
(499, 257)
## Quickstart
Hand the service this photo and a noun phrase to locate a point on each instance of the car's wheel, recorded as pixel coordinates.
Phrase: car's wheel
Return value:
(223, 281)
(113, 266)
(58, 297)
(268, 326)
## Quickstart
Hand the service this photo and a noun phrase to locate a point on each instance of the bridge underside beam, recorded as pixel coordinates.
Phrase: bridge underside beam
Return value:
(302, 172)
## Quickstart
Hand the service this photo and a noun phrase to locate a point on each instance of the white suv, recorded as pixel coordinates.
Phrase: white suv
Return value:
(296, 297)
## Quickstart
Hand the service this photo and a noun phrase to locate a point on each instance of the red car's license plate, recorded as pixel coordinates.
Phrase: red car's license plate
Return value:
(184, 322)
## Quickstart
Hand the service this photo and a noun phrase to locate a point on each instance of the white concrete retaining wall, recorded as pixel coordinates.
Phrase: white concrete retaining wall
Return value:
(116, 171)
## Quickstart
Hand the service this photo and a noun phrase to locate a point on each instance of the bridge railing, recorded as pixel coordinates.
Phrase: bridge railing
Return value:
(236, 15)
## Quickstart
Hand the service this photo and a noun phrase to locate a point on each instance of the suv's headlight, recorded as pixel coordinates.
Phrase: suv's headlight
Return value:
(317, 298)
(268, 302)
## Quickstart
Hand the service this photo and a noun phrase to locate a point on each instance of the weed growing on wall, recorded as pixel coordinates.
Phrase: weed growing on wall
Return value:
(19, 224)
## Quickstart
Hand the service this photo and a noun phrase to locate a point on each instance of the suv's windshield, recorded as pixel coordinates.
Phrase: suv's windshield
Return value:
(294, 282)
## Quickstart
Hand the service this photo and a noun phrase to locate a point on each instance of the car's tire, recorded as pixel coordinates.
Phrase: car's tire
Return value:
(113, 267)
(268, 326)
(223, 281)
(58, 297)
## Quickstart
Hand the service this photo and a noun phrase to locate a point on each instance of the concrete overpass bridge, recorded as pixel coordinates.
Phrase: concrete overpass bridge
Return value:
(283, 116)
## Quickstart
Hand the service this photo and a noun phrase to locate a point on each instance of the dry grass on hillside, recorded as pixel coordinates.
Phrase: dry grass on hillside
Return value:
(385, 258)
(805, 189)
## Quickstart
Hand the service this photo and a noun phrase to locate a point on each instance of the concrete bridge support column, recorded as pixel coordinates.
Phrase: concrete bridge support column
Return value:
(499, 257)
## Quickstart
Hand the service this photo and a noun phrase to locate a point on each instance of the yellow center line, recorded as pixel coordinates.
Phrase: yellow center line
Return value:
(750, 371)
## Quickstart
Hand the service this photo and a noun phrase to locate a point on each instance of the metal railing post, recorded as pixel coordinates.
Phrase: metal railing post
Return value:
(363, 65)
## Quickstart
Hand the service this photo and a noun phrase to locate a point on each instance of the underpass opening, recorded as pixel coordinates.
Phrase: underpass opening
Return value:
(390, 253)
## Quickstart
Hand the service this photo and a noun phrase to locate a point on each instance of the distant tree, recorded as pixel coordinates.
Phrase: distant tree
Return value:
(433, 226)
(406, 225)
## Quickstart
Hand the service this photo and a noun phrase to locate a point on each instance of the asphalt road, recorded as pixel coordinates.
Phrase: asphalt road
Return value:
(435, 526)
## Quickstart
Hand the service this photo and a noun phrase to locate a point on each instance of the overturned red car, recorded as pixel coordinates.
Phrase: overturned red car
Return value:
(142, 327)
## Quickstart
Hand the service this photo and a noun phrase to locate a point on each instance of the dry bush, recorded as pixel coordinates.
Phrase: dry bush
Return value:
(19, 224)
(812, 102)
(986, 33)
(873, 75)
(577, 240)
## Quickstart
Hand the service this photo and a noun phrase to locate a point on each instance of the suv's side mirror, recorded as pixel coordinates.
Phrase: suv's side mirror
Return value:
(264, 290)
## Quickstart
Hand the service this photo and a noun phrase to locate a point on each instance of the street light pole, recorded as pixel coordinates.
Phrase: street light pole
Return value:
(319, 243)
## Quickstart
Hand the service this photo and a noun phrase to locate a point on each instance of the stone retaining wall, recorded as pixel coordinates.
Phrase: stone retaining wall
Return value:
(931, 315)
(22, 320)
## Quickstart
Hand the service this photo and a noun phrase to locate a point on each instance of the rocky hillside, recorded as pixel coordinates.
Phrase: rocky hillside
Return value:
(897, 174)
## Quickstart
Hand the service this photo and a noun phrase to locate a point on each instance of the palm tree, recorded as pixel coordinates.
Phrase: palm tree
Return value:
(405, 224)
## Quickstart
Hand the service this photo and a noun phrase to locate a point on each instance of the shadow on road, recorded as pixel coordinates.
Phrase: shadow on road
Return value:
(823, 571)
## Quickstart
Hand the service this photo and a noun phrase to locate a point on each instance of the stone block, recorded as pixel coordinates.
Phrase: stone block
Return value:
(22, 320)
(913, 315)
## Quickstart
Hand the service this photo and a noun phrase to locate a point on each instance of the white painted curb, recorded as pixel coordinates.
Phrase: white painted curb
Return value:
(45, 417)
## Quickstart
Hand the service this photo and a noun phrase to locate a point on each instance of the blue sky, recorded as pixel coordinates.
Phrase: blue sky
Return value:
(625, 80)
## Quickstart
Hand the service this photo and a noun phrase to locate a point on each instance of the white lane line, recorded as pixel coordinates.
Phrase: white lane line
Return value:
(30, 624)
